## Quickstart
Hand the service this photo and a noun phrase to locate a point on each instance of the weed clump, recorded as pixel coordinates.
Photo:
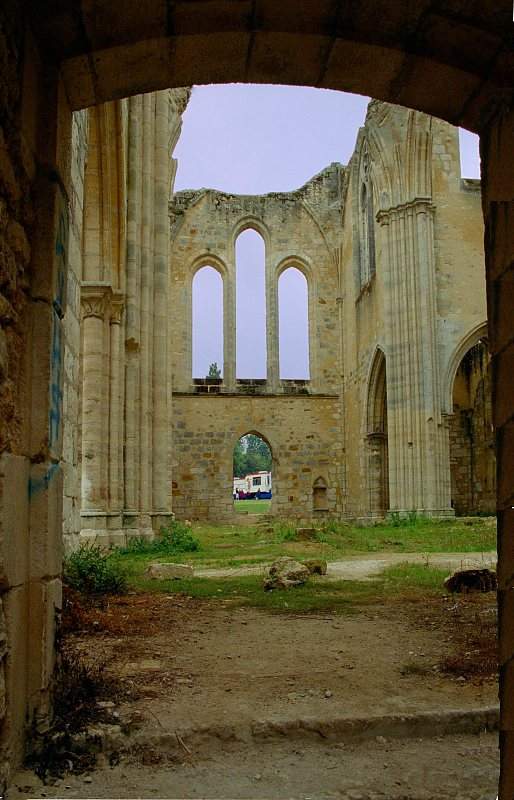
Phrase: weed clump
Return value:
(285, 531)
(91, 570)
(175, 538)
(63, 746)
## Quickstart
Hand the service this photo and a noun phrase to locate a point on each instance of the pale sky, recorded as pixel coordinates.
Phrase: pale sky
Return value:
(253, 139)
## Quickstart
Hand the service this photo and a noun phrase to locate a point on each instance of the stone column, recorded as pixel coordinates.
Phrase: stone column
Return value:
(115, 466)
(95, 411)
(272, 355)
(418, 467)
(132, 320)
(229, 331)
(161, 431)
(497, 153)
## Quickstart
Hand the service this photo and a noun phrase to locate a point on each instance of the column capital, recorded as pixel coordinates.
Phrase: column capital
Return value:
(98, 299)
(116, 306)
(418, 205)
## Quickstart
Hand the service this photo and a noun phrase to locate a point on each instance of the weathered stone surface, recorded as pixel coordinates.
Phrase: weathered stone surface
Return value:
(316, 566)
(471, 580)
(286, 573)
(162, 571)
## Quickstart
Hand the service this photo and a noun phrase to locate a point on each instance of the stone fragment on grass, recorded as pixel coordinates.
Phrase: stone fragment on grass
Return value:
(471, 580)
(285, 573)
(316, 566)
(160, 571)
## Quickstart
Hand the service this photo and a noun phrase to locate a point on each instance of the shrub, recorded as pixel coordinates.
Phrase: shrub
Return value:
(175, 538)
(178, 538)
(94, 571)
(285, 531)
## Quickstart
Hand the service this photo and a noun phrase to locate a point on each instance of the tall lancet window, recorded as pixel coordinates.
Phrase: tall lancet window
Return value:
(367, 262)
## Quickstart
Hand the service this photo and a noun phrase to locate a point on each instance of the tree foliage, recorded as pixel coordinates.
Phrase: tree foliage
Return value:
(251, 454)
(214, 370)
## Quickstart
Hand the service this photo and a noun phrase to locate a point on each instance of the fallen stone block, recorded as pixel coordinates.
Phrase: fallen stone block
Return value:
(160, 571)
(471, 580)
(285, 573)
(316, 566)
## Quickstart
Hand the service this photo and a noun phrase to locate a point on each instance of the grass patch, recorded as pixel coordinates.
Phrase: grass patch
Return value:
(403, 582)
(252, 506)
(176, 538)
(232, 545)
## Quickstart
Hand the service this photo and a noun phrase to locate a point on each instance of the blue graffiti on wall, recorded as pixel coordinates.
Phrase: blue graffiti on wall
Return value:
(36, 485)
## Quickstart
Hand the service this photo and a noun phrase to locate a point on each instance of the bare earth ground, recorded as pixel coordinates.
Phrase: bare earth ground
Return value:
(212, 676)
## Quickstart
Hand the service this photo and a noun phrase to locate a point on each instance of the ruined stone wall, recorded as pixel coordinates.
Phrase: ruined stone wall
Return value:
(427, 293)
(301, 420)
(303, 433)
(125, 371)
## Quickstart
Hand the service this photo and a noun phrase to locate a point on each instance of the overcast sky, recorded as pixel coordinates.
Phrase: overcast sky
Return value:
(250, 139)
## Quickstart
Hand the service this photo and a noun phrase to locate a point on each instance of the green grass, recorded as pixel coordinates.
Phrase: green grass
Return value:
(404, 581)
(226, 545)
(252, 506)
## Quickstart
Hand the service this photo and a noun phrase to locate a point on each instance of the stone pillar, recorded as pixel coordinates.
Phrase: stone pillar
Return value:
(115, 409)
(497, 153)
(272, 356)
(419, 468)
(95, 409)
(229, 331)
(161, 431)
(132, 321)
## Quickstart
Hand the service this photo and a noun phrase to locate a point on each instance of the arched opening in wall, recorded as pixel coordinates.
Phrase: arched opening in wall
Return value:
(366, 221)
(377, 450)
(251, 344)
(207, 325)
(252, 489)
(320, 497)
(293, 325)
(316, 492)
(472, 447)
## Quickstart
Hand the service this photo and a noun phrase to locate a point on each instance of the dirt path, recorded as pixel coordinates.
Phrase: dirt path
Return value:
(186, 664)
(367, 567)
(449, 768)
(225, 702)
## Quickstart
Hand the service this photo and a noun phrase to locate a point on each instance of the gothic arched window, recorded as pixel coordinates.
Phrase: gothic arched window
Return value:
(207, 322)
(367, 263)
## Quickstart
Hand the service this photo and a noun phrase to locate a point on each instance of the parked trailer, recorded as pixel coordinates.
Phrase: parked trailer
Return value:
(256, 485)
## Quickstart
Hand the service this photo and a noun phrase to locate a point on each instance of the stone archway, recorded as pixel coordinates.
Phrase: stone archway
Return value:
(472, 456)
(377, 475)
(456, 63)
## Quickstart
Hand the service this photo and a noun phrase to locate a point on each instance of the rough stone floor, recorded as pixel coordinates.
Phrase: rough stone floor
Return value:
(229, 703)
(447, 768)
